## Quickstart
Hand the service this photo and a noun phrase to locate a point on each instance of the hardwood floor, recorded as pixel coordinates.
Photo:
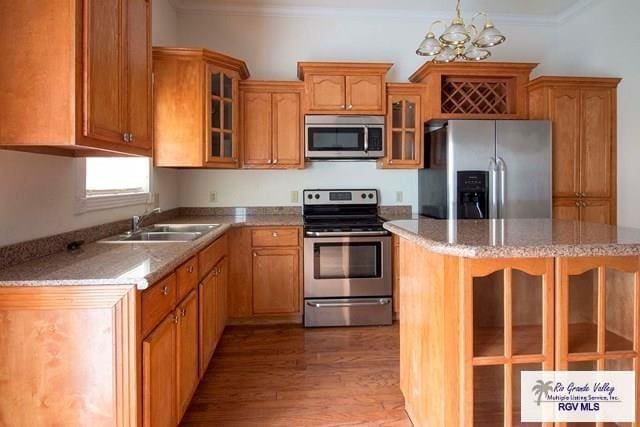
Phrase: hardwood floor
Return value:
(285, 375)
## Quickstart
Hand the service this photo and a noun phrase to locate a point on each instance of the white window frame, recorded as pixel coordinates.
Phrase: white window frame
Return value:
(93, 203)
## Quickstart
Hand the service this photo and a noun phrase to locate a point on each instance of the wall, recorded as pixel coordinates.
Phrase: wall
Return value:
(272, 45)
(37, 192)
(604, 40)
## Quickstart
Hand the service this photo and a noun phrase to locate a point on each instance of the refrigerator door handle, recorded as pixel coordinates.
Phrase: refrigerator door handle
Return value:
(493, 188)
(502, 169)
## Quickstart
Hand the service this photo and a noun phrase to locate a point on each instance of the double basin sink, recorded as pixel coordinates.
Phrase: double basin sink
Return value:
(164, 233)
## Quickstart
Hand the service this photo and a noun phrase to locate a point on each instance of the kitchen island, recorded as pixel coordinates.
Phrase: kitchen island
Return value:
(483, 300)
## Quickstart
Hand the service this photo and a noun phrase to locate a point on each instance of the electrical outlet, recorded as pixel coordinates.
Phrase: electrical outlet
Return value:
(294, 196)
(213, 197)
(399, 196)
(156, 200)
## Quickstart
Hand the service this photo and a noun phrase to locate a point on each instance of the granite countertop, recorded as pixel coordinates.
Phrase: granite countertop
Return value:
(518, 238)
(140, 264)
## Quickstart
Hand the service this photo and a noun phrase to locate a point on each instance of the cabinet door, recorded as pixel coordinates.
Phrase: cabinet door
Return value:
(139, 73)
(104, 84)
(596, 142)
(364, 94)
(221, 297)
(207, 319)
(404, 133)
(596, 211)
(222, 144)
(159, 375)
(326, 93)
(566, 209)
(564, 111)
(256, 125)
(187, 371)
(287, 138)
(276, 281)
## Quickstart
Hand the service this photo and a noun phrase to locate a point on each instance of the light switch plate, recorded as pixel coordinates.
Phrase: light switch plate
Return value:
(399, 196)
(294, 196)
(213, 197)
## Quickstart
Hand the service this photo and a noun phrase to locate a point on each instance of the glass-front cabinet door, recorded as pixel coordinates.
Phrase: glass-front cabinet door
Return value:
(222, 138)
(404, 129)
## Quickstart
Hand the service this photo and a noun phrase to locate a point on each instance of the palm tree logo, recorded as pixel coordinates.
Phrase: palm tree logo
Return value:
(541, 388)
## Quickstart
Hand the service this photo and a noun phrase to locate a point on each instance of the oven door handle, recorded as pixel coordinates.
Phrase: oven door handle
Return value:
(368, 303)
(345, 233)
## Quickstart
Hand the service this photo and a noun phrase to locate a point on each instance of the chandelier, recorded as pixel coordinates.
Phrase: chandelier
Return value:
(459, 41)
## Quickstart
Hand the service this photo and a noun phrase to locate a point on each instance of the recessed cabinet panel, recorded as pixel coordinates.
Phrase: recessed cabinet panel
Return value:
(526, 313)
(565, 110)
(256, 127)
(583, 312)
(488, 315)
(364, 93)
(327, 93)
(596, 133)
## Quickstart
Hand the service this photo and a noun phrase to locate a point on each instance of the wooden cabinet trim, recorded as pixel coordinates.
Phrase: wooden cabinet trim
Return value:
(157, 302)
(270, 237)
(209, 256)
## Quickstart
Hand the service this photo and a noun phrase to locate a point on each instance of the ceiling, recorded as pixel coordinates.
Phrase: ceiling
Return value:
(533, 8)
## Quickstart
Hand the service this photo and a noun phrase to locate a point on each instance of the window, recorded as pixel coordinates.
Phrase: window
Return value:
(107, 182)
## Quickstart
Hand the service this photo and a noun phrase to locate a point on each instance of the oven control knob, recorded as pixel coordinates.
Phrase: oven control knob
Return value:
(310, 196)
(371, 195)
(364, 196)
(317, 196)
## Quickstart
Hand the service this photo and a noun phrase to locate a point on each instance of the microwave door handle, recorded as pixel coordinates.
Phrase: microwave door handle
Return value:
(366, 140)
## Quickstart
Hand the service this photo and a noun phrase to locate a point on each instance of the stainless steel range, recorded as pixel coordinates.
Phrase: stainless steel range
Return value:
(347, 259)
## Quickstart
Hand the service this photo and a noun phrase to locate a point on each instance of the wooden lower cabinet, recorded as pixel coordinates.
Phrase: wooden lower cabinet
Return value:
(159, 375)
(212, 314)
(276, 280)
(589, 210)
(188, 373)
(265, 275)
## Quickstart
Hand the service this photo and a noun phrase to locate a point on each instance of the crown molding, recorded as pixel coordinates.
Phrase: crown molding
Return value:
(574, 10)
(230, 9)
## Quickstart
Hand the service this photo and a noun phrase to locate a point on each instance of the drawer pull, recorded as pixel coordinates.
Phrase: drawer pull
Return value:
(165, 290)
(274, 234)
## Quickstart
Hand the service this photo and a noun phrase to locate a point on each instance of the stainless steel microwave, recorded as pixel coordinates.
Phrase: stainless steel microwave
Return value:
(344, 137)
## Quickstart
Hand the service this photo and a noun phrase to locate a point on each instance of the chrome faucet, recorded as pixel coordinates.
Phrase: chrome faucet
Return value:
(137, 220)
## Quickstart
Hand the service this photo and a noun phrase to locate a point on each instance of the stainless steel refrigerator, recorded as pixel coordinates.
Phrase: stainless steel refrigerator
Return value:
(486, 169)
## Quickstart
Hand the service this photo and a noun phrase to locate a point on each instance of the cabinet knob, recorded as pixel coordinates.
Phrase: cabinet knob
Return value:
(342, 106)
(125, 137)
(584, 204)
(577, 194)
(132, 137)
(349, 107)
(578, 204)
(190, 269)
(165, 290)
(255, 254)
(583, 194)
(274, 234)
(219, 270)
(183, 312)
(275, 161)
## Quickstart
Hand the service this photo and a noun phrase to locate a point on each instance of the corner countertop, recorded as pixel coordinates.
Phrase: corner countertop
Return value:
(139, 264)
(518, 238)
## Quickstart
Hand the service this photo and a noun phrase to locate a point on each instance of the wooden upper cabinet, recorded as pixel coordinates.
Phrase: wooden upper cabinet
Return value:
(327, 93)
(596, 130)
(271, 124)
(475, 90)
(196, 108)
(86, 83)
(344, 87)
(139, 76)
(404, 147)
(583, 114)
(564, 107)
(365, 93)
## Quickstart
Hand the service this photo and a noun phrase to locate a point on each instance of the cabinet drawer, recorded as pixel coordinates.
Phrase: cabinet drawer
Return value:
(157, 302)
(262, 237)
(210, 256)
(187, 276)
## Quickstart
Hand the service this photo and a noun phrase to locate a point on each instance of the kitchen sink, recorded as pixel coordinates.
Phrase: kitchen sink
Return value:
(164, 233)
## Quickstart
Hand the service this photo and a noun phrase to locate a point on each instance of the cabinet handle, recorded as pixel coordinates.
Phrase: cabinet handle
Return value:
(274, 234)
(577, 194)
(176, 319)
(275, 161)
(349, 107)
(255, 254)
(342, 106)
(183, 312)
(125, 137)
(583, 194)
(165, 290)
(269, 161)
(190, 269)
(132, 137)
(578, 204)
(584, 204)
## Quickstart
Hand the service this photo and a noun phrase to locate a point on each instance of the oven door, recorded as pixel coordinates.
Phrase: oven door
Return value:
(347, 266)
(332, 141)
